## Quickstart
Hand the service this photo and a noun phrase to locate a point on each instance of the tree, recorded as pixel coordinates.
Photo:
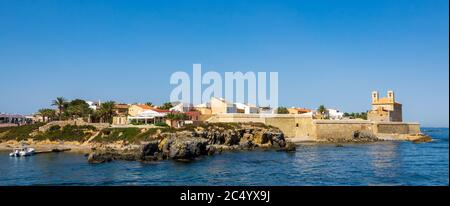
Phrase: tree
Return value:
(321, 109)
(149, 104)
(78, 108)
(166, 106)
(95, 116)
(282, 110)
(106, 111)
(353, 115)
(177, 116)
(49, 113)
(364, 115)
(61, 103)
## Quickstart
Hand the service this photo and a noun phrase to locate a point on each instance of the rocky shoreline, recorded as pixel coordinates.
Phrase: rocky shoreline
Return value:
(188, 145)
(183, 144)
(162, 143)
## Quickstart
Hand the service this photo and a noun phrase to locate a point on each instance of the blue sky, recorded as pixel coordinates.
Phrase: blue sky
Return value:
(326, 52)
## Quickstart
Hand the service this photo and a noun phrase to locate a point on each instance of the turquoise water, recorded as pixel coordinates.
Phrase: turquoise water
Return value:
(382, 163)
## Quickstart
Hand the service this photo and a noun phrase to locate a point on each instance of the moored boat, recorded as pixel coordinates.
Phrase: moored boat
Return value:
(21, 152)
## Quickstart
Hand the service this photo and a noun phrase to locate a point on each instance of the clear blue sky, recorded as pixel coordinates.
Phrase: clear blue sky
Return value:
(326, 52)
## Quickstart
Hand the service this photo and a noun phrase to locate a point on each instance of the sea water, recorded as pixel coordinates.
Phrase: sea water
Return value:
(380, 163)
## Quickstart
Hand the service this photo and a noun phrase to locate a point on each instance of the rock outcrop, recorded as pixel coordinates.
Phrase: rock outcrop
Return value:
(188, 145)
(183, 148)
(419, 138)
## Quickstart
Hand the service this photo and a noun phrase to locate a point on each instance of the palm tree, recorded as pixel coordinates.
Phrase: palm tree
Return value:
(282, 110)
(49, 113)
(61, 103)
(106, 110)
(322, 109)
(166, 106)
(177, 116)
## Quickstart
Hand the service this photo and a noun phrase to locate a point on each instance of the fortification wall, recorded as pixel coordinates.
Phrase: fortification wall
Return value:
(396, 128)
(341, 129)
(291, 125)
(237, 118)
(318, 130)
(285, 124)
(414, 128)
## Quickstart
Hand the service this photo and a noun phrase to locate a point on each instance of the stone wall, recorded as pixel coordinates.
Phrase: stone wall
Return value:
(341, 129)
(305, 127)
(292, 125)
(414, 128)
(396, 115)
(379, 116)
(77, 122)
(397, 128)
(237, 118)
(285, 124)
(120, 120)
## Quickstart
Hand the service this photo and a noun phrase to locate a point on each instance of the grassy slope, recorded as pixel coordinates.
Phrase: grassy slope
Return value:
(129, 134)
(18, 133)
(82, 133)
(67, 133)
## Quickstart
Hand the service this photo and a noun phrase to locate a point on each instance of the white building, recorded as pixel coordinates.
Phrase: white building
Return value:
(149, 116)
(221, 106)
(203, 105)
(335, 114)
(182, 107)
(267, 110)
(246, 108)
(93, 105)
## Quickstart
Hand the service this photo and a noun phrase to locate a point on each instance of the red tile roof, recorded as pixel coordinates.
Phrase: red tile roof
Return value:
(160, 110)
(193, 113)
(144, 106)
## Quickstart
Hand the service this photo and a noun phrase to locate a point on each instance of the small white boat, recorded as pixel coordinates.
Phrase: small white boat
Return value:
(15, 153)
(21, 152)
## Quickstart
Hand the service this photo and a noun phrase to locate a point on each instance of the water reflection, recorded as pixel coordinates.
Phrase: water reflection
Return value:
(384, 158)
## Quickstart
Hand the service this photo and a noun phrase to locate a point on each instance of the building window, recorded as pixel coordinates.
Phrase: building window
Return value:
(297, 125)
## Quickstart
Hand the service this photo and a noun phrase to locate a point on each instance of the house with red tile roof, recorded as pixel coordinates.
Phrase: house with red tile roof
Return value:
(144, 114)
(136, 109)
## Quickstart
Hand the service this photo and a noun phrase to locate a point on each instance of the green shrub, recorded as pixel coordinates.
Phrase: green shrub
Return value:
(136, 123)
(161, 124)
(18, 133)
(54, 128)
(282, 110)
(67, 133)
(115, 134)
